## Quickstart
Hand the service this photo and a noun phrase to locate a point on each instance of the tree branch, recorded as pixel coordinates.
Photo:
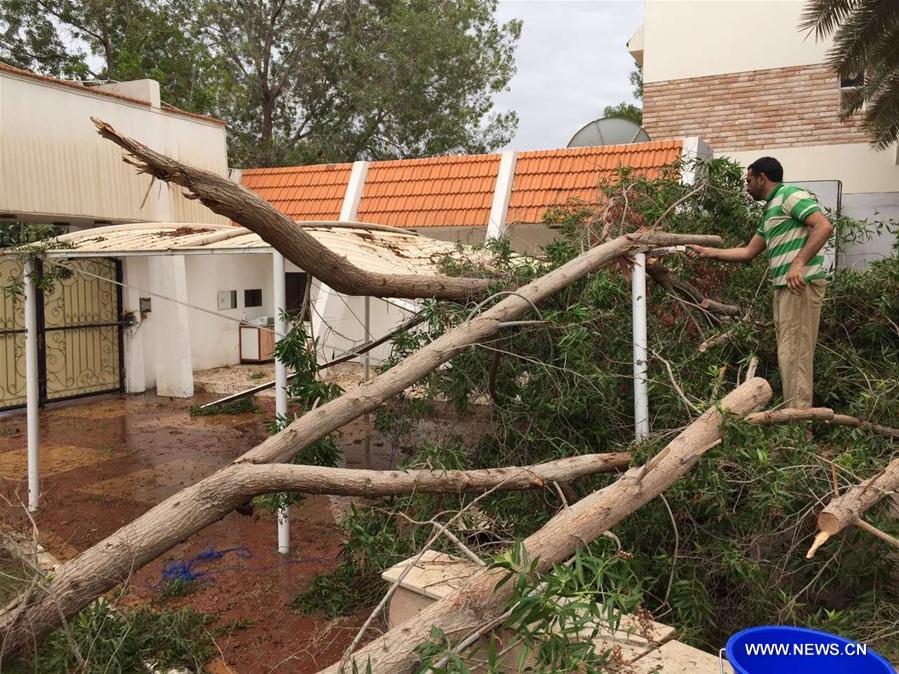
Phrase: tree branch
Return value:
(847, 509)
(229, 199)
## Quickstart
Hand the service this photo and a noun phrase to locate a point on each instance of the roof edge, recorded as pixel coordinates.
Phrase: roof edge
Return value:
(77, 86)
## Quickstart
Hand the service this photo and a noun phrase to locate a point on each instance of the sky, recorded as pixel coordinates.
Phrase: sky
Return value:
(572, 61)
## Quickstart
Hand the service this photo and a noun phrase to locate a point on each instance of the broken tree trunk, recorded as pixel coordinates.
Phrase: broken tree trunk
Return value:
(229, 199)
(111, 561)
(479, 600)
(846, 510)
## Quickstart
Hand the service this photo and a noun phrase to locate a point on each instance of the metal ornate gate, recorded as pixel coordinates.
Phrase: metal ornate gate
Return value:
(79, 334)
(12, 335)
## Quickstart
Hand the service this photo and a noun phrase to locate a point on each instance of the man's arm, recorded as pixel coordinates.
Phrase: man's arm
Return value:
(745, 253)
(821, 229)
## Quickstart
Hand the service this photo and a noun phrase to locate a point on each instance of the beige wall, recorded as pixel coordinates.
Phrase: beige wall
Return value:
(693, 38)
(860, 168)
(55, 167)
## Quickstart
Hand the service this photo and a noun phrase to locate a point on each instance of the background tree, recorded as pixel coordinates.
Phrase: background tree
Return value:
(338, 80)
(298, 81)
(625, 111)
(124, 40)
(865, 43)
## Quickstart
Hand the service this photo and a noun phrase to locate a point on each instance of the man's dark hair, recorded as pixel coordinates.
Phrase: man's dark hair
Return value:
(769, 166)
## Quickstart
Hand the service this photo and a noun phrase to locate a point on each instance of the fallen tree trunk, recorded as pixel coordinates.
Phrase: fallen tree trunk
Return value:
(479, 600)
(111, 561)
(229, 199)
(825, 414)
(846, 510)
(244, 480)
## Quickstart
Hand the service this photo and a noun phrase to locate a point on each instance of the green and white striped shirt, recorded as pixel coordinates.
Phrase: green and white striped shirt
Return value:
(785, 233)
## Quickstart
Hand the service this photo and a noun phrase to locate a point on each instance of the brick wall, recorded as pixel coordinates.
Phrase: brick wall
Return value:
(781, 107)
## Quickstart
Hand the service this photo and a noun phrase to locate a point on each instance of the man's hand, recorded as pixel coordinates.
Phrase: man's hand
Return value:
(796, 276)
(694, 251)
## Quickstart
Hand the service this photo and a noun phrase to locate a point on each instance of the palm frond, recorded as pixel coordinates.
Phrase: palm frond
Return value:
(867, 30)
(823, 16)
(882, 114)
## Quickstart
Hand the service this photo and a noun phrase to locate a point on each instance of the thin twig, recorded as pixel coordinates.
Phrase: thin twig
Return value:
(676, 548)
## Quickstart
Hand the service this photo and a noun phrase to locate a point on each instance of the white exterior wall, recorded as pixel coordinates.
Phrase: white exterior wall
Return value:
(215, 341)
(694, 38)
(860, 168)
(54, 167)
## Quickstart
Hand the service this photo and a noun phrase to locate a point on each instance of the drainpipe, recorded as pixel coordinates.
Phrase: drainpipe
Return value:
(279, 301)
(31, 390)
(638, 303)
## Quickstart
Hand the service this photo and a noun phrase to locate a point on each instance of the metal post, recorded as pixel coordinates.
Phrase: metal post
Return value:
(366, 324)
(279, 301)
(638, 299)
(31, 387)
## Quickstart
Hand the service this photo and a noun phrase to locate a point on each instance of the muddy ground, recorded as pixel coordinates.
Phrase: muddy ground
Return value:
(105, 461)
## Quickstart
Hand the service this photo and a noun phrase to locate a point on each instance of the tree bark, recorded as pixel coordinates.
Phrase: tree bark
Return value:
(479, 600)
(111, 561)
(847, 509)
(229, 199)
(246, 480)
(825, 414)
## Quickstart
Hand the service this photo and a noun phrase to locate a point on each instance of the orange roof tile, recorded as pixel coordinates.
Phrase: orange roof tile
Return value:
(301, 192)
(548, 178)
(454, 191)
(433, 192)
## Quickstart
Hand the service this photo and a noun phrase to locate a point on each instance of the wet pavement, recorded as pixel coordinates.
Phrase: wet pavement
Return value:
(107, 460)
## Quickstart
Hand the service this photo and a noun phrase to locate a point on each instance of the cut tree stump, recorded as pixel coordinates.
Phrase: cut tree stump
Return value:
(637, 646)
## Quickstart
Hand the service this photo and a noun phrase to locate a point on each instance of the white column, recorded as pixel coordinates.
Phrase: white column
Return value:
(279, 301)
(134, 272)
(638, 300)
(692, 148)
(325, 298)
(174, 363)
(31, 388)
(496, 226)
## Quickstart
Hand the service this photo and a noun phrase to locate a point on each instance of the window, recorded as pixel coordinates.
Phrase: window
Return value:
(227, 299)
(252, 298)
(295, 287)
(850, 89)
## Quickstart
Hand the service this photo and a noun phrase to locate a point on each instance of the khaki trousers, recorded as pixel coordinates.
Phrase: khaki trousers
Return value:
(796, 319)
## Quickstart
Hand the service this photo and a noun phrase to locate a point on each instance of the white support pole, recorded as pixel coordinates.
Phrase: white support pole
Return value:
(279, 301)
(366, 324)
(31, 388)
(638, 299)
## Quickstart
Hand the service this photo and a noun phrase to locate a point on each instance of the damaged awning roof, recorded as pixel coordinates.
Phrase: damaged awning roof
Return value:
(375, 248)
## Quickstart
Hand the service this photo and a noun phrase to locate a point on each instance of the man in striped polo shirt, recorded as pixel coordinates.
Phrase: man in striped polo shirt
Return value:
(794, 230)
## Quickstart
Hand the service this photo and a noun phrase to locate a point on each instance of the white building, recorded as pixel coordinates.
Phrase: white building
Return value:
(743, 77)
(55, 168)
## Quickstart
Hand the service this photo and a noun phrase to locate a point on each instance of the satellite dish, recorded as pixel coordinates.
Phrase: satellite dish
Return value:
(609, 131)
